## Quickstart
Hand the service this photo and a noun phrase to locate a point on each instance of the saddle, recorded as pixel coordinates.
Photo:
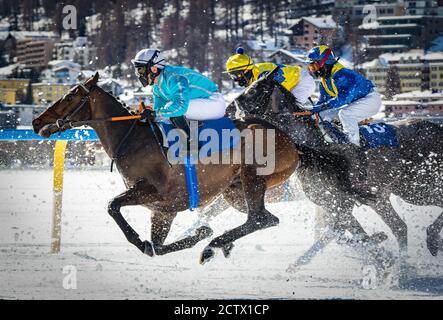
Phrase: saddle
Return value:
(209, 136)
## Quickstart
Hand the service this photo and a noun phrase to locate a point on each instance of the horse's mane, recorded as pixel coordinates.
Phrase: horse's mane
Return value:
(289, 98)
(116, 101)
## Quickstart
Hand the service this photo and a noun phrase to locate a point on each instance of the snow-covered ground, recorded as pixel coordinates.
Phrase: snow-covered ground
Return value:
(108, 267)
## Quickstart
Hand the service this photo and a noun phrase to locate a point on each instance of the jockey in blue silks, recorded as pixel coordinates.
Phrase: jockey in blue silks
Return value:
(180, 93)
(348, 96)
(344, 93)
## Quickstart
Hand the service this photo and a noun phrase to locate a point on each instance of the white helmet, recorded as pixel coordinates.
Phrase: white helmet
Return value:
(149, 56)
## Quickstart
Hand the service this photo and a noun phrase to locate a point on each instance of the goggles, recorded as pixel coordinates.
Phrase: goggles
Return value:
(140, 71)
(236, 75)
(315, 66)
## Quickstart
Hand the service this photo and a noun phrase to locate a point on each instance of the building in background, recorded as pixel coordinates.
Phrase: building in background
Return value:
(76, 50)
(434, 64)
(283, 56)
(424, 7)
(32, 49)
(112, 86)
(416, 70)
(308, 32)
(416, 103)
(302, 8)
(47, 93)
(13, 91)
(399, 33)
(353, 12)
(62, 72)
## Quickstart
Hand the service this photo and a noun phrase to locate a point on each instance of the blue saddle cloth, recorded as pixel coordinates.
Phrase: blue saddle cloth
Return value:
(377, 135)
(213, 136)
(373, 135)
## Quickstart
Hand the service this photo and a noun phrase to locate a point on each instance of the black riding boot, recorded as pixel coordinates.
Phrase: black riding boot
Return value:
(183, 124)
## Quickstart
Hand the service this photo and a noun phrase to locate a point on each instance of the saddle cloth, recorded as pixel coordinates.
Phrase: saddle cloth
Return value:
(213, 136)
(373, 135)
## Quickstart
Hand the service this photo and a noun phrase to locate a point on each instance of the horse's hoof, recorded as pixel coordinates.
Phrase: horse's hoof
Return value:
(204, 232)
(227, 249)
(149, 250)
(432, 241)
(207, 255)
(379, 237)
(292, 268)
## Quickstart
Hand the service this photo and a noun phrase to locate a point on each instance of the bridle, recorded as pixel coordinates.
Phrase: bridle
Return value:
(66, 123)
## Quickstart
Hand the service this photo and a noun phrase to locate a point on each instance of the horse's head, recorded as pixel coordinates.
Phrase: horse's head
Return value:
(265, 95)
(73, 106)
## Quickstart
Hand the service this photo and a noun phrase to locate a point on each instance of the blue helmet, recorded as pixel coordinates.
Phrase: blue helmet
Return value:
(321, 55)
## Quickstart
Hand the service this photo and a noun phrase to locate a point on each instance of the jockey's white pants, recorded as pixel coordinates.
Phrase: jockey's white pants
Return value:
(353, 113)
(211, 108)
(305, 87)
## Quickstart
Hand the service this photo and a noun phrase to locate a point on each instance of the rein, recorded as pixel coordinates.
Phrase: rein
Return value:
(308, 114)
(66, 123)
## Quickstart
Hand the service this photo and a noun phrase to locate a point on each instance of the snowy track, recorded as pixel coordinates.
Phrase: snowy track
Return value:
(108, 267)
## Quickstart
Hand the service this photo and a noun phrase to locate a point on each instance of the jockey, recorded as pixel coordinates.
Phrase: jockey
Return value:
(344, 93)
(180, 94)
(348, 96)
(242, 70)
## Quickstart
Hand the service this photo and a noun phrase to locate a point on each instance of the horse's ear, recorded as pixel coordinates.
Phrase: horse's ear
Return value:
(272, 74)
(92, 82)
(95, 78)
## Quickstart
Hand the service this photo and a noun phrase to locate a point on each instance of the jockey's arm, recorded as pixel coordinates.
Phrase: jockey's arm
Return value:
(179, 100)
(323, 97)
(346, 88)
(159, 102)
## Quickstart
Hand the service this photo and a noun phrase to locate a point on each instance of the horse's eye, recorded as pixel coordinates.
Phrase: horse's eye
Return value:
(69, 98)
(251, 91)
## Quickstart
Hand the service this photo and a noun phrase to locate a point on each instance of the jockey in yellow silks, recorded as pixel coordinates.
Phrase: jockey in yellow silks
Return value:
(295, 79)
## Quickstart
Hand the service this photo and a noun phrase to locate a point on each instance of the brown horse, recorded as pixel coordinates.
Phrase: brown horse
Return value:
(155, 184)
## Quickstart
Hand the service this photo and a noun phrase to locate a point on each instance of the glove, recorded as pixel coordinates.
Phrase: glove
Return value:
(320, 108)
(148, 114)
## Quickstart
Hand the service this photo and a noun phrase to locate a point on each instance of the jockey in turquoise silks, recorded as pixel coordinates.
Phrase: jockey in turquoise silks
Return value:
(348, 96)
(180, 93)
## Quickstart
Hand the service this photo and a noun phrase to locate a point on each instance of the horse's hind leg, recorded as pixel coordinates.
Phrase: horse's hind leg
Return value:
(398, 227)
(136, 195)
(161, 225)
(434, 240)
(258, 217)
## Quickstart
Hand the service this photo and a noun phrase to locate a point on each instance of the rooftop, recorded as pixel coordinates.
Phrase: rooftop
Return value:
(24, 35)
(296, 55)
(323, 22)
(419, 95)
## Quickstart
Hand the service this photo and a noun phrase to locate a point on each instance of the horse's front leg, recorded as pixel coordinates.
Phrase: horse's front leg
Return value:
(161, 225)
(140, 193)
(258, 217)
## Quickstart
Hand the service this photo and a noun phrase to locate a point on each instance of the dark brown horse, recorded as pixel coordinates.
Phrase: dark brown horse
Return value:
(160, 187)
